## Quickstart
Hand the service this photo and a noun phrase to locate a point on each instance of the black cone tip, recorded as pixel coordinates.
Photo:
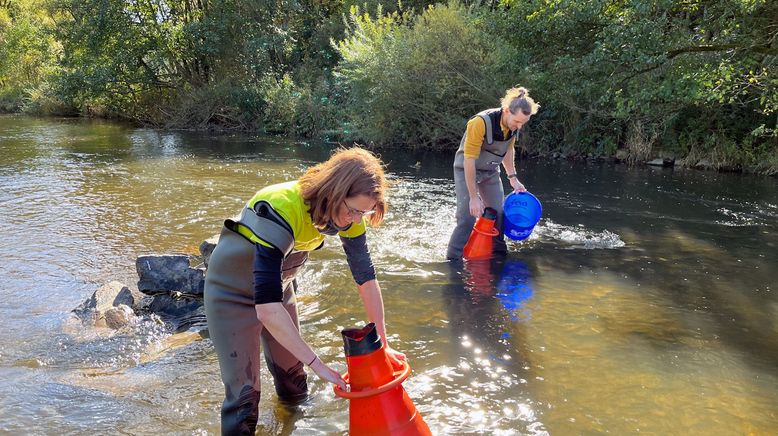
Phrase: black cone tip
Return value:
(358, 342)
(489, 213)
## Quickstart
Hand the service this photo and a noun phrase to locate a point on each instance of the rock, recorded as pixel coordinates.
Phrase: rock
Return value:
(656, 162)
(164, 273)
(734, 168)
(137, 300)
(111, 305)
(124, 297)
(206, 248)
(119, 316)
(161, 272)
(662, 162)
(622, 155)
(196, 281)
(91, 317)
(179, 311)
(704, 164)
(105, 297)
(172, 294)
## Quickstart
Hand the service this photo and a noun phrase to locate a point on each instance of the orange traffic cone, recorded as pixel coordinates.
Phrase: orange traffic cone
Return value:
(379, 405)
(479, 246)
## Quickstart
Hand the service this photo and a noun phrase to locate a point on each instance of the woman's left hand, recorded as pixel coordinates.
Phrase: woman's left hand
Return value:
(517, 186)
(395, 357)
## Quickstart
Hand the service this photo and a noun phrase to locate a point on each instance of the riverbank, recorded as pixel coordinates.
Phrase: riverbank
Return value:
(700, 92)
(626, 154)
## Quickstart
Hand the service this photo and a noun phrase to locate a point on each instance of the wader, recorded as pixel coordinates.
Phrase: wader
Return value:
(236, 332)
(488, 184)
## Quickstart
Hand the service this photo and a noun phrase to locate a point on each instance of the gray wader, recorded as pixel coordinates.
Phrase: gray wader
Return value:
(488, 184)
(236, 332)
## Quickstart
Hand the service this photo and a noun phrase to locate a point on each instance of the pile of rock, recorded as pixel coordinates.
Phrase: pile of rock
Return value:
(170, 287)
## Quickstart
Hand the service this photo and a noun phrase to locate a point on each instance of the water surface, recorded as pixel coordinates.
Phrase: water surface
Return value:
(645, 300)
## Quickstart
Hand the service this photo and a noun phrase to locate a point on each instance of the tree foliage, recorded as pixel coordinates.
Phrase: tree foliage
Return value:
(686, 78)
(415, 79)
(689, 76)
(27, 50)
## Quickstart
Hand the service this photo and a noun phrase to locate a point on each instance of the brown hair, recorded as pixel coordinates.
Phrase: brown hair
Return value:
(518, 99)
(347, 173)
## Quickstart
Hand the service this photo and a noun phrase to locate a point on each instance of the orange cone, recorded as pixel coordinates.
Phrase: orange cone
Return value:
(479, 246)
(379, 405)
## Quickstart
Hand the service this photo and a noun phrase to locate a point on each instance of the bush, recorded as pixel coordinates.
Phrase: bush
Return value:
(41, 100)
(10, 100)
(282, 99)
(652, 78)
(416, 79)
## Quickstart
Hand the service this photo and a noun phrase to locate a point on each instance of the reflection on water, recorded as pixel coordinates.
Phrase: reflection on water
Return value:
(643, 302)
(515, 289)
(492, 377)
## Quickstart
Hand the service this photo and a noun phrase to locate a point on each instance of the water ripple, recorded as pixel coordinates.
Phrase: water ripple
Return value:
(576, 236)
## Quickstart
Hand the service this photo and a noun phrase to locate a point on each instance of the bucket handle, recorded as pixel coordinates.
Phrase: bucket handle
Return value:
(399, 376)
(491, 232)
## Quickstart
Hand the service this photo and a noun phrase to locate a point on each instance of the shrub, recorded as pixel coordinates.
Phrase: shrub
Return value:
(415, 79)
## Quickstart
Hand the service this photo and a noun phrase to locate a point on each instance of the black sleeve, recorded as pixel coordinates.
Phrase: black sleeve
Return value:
(358, 258)
(267, 275)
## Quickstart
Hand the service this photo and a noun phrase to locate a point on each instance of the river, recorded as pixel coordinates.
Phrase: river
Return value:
(645, 300)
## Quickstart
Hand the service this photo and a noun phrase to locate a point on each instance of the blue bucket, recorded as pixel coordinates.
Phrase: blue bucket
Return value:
(522, 213)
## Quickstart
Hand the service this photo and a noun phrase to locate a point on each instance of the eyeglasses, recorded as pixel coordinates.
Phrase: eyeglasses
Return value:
(358, 213)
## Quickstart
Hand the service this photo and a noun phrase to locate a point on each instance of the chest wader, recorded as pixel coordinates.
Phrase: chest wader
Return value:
(233, 326)
(488, 184)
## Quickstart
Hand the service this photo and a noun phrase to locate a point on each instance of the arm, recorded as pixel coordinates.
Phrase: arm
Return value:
(476, 205)
(474, 137)
(278, 322)
(508, 162)
(370, 292)
(361, 265)
(268, 298)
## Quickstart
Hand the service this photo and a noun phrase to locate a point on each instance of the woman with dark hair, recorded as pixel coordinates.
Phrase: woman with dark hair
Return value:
(250, 282)
(488, 141)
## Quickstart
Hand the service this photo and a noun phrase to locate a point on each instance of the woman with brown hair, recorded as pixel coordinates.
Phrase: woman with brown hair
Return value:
(250, 283)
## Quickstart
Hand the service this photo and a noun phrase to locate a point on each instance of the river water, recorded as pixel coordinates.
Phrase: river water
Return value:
(645, 300)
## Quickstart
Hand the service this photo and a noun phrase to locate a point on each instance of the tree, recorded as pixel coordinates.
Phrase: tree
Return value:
(690, 75)
(27, 50)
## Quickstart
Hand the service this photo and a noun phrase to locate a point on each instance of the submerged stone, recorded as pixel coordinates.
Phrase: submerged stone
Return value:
(118, 317)
(179, 311)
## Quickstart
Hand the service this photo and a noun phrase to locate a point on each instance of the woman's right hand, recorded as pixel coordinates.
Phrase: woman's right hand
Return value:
(476, 206)
(326, 373)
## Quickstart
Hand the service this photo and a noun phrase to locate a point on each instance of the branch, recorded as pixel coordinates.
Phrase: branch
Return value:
(762, 49)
